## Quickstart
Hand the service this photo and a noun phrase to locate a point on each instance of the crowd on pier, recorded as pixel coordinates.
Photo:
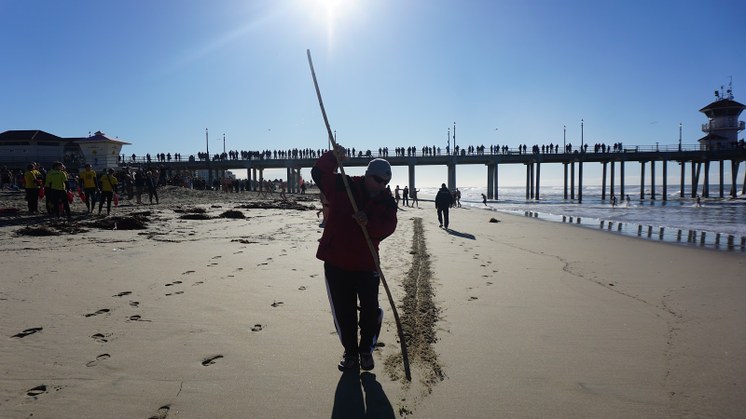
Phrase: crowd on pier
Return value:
(411, 151)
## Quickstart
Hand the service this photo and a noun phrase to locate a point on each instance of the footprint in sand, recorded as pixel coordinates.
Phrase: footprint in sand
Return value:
(100, 337)
(302, 288)
(36, 391)
(162, 412)
(188, 272)
(122, 294)
(136, 318)
(174, 293)
(473, 298)
(135, 303)
(217, 257)
(198, 283)
(257, 328)
(489, 283)
(239, 269)
(99, 358)
(212, 264)
(210, 360)
(173, 283)
(100, 311)
(27, 332)
(277, 303)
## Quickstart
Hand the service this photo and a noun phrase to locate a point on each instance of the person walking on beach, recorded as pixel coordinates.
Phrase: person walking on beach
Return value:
(88, 179)
(443, 201)
(56, 183)
(350, 269)
(151, 182)
(405, 196)
(108, 184)
(31, 180)
(396, 195)
(413, 195)
(484, 199)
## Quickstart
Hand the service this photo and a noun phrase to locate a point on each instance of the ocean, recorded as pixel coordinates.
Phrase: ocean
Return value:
(717, 223)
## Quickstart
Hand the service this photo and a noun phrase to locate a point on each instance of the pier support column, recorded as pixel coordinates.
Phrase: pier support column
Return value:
(734, 178)
(611, 179)
(452, 176)
(706, 183)
(529, 189)
(538, 179)
(572, 180)
(722, 186)
(603, 181)
(664, 197)
(289, 182)
(497, 183)
(682, 181)
(695, 178)
(642, 181)
(412, 180)
(580, 182)
(255, 180)
(564, 165)
(490, 180)
(621, 179)
(652, 180)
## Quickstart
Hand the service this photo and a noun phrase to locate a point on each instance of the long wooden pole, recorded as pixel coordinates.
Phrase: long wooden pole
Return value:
(373, 252)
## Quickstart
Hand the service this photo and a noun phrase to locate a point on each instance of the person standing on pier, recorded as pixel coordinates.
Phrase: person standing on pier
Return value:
(443, 201)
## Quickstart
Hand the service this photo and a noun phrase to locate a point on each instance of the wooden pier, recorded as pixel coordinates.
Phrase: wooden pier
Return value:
(614, 165)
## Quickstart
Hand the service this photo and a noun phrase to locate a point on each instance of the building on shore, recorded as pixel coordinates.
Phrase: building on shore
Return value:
(20, 147)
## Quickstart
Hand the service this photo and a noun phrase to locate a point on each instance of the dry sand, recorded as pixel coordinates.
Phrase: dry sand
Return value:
(228, 317)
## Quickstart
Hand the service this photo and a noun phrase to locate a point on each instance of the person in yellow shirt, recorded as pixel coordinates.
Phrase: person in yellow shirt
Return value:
(56, 184)
(108, 183)
(31, 180)
(90, 186)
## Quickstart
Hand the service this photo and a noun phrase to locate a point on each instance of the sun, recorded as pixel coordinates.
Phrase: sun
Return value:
(330, 13)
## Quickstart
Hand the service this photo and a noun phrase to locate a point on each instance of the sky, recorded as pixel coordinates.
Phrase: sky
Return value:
(393, 73)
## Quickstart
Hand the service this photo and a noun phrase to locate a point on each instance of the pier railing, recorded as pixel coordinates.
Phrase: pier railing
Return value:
(414, 152)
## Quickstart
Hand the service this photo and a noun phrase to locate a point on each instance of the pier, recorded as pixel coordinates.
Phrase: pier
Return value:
(614, 164)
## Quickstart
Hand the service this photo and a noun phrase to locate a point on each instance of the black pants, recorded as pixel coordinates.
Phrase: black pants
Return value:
(443, 216)
(105, 196)
(32, 197)
(59, 198)
(345, 288)
(90, 201)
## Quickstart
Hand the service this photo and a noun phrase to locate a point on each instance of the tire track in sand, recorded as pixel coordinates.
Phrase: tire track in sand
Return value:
(419, 319)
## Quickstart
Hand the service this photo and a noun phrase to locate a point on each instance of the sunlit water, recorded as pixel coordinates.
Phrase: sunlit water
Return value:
(716, 223)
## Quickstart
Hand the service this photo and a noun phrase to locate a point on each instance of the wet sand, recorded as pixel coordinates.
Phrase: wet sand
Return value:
(210, 316)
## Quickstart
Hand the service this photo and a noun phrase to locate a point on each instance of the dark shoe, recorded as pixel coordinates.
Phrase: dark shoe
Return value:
(348, 362)
(366, 362)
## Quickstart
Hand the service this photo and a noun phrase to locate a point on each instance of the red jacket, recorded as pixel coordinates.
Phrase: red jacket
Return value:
(343, 244)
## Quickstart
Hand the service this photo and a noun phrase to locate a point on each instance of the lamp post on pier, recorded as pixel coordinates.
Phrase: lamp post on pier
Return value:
(581, 136)
(223, 143)
(679, 136)
(207, 144)
(564, 138)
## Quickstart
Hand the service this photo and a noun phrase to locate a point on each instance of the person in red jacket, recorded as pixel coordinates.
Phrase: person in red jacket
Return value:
(349, 267)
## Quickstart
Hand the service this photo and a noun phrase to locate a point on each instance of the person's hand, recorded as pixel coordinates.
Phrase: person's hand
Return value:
(340, 152)
(361, 217)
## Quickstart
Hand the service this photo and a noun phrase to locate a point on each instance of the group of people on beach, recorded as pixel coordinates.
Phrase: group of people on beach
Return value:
(406, 193)
(59, 187)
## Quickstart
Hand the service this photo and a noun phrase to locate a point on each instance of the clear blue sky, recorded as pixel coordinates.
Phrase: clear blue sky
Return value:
(156, 73)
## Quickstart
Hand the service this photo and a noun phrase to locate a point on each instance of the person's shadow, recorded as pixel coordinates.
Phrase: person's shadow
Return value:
(460, 234)
(351, 400)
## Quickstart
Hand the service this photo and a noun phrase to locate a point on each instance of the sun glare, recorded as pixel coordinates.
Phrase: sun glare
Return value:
(330, 13)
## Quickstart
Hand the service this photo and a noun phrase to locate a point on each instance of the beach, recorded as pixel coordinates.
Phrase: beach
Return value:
(208, 312)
